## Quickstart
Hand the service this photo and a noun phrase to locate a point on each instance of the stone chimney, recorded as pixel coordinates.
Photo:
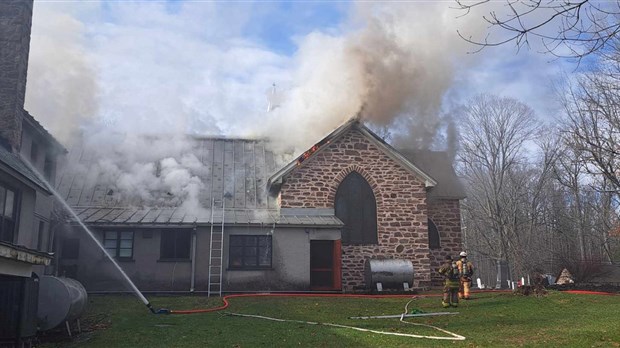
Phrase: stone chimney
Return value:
(15, 22)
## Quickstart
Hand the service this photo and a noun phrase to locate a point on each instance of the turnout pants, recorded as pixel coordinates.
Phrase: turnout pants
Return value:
(450, 294)
(464, 288)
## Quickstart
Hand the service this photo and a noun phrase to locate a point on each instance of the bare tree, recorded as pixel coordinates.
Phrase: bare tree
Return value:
(591, 104)
(566, 28)
(494, 134)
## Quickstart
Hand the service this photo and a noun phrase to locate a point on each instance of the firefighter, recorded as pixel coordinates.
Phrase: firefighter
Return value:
(450, 272)
(466, 271)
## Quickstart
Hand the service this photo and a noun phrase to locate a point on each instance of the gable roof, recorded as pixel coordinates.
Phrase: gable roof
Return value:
(30, 120)
(353, 123)
(14, 164)
(439, 165)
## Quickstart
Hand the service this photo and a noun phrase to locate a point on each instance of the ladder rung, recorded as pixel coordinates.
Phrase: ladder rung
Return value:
(216, 251)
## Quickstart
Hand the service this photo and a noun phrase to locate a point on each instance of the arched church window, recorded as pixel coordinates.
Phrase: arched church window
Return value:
(433, 235)
(356, 206)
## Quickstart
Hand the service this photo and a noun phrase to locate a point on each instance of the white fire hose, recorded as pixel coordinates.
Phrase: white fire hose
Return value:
(452, 337)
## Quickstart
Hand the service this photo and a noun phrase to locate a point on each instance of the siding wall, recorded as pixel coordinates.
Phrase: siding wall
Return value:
(290, 262)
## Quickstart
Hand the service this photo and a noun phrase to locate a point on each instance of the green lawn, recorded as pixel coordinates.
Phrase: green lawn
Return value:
(490, 320)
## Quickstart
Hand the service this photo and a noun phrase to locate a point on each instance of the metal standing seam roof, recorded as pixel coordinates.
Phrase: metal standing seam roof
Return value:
(173, 216)
(439, 165)
(240, 167)
(237, 166)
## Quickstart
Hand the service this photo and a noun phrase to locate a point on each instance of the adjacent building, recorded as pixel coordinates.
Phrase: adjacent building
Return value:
(25, 197)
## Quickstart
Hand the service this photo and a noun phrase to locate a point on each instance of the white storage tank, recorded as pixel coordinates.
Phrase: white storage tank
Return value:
(391, 273)
(60, 300)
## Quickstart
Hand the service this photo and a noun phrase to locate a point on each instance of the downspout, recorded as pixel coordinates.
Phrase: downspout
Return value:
(193, 279)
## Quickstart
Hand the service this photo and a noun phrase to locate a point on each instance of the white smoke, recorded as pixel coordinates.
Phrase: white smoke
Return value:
(392, 66)
(62, 90)
(142, 171)
(139, 68)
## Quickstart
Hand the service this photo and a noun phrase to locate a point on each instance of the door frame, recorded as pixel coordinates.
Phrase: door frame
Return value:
(336, 267)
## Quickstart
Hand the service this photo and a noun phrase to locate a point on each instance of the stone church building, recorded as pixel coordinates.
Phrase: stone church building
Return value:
(309, 225)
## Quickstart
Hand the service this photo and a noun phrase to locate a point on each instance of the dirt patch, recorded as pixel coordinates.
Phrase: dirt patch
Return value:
(89, 324)
(588, 287)
(531, 290)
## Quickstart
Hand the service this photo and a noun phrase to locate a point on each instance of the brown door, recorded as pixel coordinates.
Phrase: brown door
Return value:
(325, 265)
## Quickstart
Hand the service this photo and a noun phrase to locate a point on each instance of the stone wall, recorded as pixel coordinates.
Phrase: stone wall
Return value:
(446, 214)
(400, 196)
(15, 22)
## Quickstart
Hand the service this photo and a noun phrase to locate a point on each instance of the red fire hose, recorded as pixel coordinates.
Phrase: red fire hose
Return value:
(225, 299)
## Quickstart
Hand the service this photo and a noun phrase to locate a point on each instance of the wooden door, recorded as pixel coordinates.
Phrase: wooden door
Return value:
(325, 265)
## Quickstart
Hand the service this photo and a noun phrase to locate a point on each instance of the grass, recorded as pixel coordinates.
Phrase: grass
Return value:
(490, 320)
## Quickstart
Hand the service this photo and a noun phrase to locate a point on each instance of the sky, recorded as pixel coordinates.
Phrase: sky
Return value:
(208, 68)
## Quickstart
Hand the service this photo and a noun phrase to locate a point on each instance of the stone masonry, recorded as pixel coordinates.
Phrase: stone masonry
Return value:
(15, 21)
(400, 196)
(446, 215)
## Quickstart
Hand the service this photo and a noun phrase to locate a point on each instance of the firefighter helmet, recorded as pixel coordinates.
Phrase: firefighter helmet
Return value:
(463, 254)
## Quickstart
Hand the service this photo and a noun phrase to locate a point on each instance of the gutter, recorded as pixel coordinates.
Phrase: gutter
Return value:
(23, 254)
(193, 278)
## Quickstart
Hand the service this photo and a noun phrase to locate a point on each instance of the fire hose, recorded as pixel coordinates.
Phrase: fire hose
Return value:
(452, 336)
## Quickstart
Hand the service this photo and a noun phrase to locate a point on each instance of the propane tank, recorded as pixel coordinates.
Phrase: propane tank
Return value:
(60, 300)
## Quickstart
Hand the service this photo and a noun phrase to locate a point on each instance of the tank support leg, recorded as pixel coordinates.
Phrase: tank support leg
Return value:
(68, 328)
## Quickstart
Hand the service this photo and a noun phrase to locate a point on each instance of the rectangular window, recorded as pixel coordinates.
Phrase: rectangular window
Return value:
(249, 252)
(175, 245)
(8, 214)
(119, 244)
(70, 249)
(48, 167)
(41, 243)
(34, 153)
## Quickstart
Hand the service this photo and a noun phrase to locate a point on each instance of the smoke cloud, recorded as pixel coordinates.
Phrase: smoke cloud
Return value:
(392, 66)
(107, 72)
(62, 90)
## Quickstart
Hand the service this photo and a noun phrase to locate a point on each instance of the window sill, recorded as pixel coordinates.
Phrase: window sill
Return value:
(250, 269)
(174, 260)
(359, 243)
(124, 259)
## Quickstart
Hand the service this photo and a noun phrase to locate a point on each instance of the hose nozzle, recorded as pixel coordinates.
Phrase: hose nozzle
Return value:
(157, 311)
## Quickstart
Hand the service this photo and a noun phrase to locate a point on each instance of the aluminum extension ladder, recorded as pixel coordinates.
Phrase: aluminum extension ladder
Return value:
(216, 247)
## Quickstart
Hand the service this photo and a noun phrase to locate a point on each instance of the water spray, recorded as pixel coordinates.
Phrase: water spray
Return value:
(94, 238)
